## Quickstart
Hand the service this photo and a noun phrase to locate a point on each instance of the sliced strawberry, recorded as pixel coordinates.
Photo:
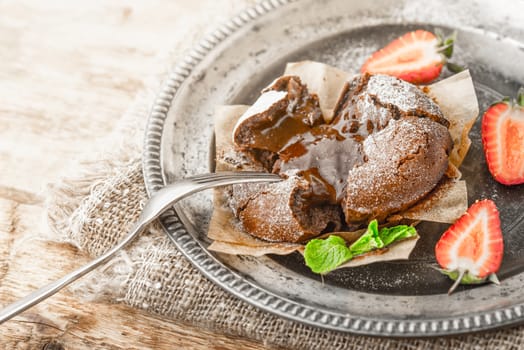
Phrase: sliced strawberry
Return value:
(417, 57)
(471, 250)
(503, 140)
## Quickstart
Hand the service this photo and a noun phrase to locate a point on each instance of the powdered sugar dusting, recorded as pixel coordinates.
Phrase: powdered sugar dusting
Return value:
(406, 161)
(406, 97)
(275, 197)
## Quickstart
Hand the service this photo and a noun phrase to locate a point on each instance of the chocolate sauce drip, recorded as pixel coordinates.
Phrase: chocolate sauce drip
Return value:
(325, 152)
(294, 113)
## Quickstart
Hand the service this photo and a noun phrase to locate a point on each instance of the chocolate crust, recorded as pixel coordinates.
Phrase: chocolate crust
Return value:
(368, 102)
(280, 212)
(406, 161)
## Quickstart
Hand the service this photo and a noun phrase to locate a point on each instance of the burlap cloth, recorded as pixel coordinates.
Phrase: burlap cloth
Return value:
(96, 204)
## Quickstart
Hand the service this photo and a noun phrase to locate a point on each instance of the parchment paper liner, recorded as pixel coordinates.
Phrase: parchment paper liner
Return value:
(457, 100)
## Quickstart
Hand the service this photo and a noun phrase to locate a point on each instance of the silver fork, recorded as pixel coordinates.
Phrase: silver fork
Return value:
(157, 204)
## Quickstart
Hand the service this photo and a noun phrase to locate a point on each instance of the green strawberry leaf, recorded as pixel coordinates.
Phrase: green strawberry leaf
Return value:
(454, 68)
(448, 45)
(445, 45)
(467, 279)
(324, 255)
(520, 97)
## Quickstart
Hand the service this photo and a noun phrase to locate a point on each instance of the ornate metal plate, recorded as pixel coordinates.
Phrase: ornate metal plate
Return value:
(243, 55)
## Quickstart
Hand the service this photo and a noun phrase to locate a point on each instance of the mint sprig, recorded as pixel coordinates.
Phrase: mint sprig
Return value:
(369, 241)
(396, 233)
(325, 255)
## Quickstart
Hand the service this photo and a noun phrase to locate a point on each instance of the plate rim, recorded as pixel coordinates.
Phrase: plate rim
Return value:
(233, 283)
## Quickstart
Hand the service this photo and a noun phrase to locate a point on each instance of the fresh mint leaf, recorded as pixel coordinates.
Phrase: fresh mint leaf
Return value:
(389, 235)
(324, 255)
(369, 241)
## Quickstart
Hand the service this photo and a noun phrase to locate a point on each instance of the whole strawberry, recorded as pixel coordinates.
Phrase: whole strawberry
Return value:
(417, 57)
(470, 251)
(503, 140)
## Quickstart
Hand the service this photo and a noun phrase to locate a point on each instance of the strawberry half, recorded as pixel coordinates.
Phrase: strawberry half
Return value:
(416, 57)
(503, 140)
(471, 250)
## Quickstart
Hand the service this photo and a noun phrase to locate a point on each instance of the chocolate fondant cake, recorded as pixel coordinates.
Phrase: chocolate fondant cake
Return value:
(385, 149)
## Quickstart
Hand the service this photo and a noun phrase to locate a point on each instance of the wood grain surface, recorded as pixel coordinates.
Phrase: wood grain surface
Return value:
(69, 70)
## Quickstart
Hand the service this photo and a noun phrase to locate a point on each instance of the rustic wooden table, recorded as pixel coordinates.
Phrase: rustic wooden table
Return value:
(68, 71)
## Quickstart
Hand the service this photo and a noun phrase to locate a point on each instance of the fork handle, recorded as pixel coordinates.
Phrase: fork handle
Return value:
(45, 292)
(149, 213)
(157, 204)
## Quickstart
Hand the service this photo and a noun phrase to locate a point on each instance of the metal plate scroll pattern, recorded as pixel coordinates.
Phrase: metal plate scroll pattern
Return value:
(247, 52)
